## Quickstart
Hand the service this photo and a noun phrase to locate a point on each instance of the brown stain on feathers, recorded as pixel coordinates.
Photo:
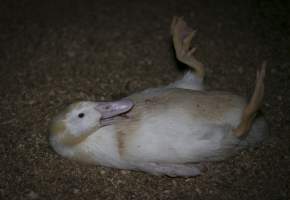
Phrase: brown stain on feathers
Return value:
(120, 136)
(125, 129)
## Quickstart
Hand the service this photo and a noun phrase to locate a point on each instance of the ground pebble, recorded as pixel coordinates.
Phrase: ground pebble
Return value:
(240, 70)
(75, 190)
(125, 172)
(32, 195)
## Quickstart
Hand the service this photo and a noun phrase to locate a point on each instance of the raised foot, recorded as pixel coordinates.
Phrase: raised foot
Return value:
(182, 36)
(254, 105)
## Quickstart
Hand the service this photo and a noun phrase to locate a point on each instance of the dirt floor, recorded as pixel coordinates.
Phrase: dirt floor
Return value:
(52, 54)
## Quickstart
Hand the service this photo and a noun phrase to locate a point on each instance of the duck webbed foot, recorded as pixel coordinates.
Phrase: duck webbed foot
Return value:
(182, 36)
(254, 104)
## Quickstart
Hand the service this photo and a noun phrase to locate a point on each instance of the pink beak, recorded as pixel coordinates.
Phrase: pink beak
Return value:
(114, 108)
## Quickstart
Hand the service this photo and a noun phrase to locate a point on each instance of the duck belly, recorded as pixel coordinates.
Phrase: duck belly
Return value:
(179, 126)
(177, 139)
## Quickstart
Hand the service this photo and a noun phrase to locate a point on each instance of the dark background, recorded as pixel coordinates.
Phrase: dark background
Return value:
(55, 53)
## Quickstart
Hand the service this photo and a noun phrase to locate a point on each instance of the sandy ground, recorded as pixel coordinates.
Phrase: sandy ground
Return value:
(52, 54)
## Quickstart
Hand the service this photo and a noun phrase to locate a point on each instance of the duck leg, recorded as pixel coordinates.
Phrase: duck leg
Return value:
(253, 106)
(182, 36)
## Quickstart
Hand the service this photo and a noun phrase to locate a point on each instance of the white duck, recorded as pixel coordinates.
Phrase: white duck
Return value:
(169, 130)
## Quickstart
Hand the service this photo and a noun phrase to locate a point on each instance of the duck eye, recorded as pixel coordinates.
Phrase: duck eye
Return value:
(81, 115)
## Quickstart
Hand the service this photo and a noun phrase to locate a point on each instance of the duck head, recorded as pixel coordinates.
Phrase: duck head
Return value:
(79, 120)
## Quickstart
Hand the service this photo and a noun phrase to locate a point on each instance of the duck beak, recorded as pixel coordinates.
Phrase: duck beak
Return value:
(114, 108)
